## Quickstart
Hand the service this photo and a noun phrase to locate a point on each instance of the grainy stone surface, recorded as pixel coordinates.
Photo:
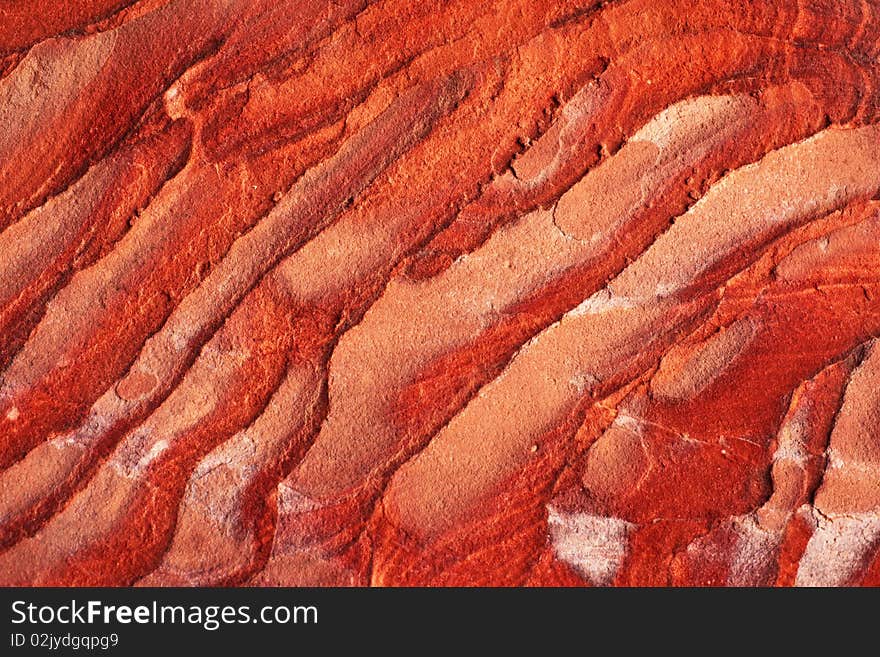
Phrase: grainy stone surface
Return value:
(462, 293)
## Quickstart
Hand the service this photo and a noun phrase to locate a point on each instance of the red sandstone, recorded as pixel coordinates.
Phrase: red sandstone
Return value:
(480, 293)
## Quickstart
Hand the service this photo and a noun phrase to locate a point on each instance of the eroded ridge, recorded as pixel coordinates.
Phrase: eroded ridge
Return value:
(491, 293)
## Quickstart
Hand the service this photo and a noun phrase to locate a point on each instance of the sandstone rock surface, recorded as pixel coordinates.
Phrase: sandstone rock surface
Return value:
(464, 293)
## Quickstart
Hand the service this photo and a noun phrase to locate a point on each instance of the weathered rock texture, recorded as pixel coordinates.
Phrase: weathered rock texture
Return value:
(450, 293)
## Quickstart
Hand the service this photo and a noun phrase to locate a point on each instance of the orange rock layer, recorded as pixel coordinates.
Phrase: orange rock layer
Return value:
(468, 293)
